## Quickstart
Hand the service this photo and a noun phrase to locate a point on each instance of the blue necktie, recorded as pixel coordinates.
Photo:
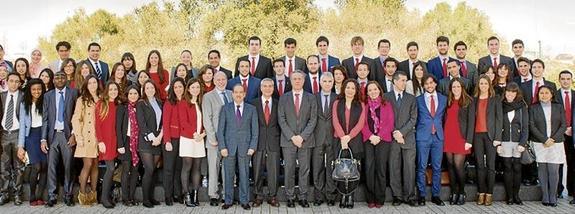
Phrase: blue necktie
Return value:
(61, 108)
(98, 71)
(225, 98)
(398, 99)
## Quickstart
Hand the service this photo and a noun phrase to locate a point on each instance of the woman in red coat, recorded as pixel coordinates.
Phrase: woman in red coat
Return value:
(158, 74)
(106, 136)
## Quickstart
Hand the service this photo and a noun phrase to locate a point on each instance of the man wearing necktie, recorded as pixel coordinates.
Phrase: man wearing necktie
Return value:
(57, 138)
(245, 79)
(282, 82)
(468, 69)
(564, 96)
(312, 83)
(350, 64)
(101, 68)
(327, 61)
(292, 61)
(495, 58)
(438, 65)
(408, 64)
(11, 167)
(237, 141)
(260, 66)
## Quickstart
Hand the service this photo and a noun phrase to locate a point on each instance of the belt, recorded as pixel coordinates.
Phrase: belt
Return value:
(9, 132)
(59, 130)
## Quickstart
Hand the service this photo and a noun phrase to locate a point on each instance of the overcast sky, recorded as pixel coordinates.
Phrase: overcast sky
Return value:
(24, 21)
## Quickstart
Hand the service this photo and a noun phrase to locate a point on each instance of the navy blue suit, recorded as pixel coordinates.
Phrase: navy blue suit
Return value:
(307, 84)
(253, 87)
(103, 68)
(428, 143)
(435, 67)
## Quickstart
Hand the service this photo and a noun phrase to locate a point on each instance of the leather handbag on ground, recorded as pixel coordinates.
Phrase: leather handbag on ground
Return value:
(528, 156)
(345, 169)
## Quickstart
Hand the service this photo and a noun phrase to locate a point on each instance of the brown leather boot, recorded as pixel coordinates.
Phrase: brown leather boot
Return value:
(480, 198)
(488, 199)
(81, 198)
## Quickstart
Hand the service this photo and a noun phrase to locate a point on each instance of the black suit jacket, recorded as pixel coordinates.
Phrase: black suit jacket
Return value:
(538, 126)
(122, 139)
(324, 127)
(269, 134)
(4, 99)
(404, 66)
(486, 62)
(516, 130)
(287, 87)
(559, 98)
(349, 65)
(147, 123)
(494, 115)
(527, 90)
(263, 68)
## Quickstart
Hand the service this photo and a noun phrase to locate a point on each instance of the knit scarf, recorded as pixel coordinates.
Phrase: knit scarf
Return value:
(374, 104)
(134, 131)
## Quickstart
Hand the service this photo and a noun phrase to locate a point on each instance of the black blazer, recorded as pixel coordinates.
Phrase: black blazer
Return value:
(349, 65)
(269, 134)
(147, 124)
(324, 127)
(559, 96)
(404, 66)
(123, 141)
(264, 67)
(516, 130)
(486, 62)
(494, 114)
(356, 143)
(287, 87)
(462, 117)
(527, 89)
(538, 126)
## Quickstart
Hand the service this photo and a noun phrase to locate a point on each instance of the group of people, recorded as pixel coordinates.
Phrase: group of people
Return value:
(397, 118)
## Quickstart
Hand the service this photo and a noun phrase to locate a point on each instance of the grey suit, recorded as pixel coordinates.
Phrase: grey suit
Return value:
(211, 106)
(237, 137)
(402, 157)
(299, 63)
(11, 168)
(58, 139)
(472, 72)
(303, 125)
(321, 170)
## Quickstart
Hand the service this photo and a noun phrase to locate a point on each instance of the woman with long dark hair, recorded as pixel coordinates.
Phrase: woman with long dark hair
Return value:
(160, 76)
(206, 78)
(456, 147)
(127, 130)
(172, 162)
(502, 77)
(118, 76)
(29, 139)
(83, 69)
(339, 76)
(106, 136)
(47, 77)
(484, 130)
(130, 67)
(69, 68)
(182, 72)
(83, 124)
(348, 117)
(22, 68)
(150, 137)
(415, 86)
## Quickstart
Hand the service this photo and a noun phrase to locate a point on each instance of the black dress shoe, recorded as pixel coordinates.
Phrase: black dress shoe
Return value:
(461, 199)
(246, 206)
(331, 203)
(572, 201)
(545, 204)
(396, 201)
(437, 201)
(303, 203)
(154, 202)
(169, 202)
(413, 203)
(226, 206)
(349, 201)
(17, 201)
(317, 203)
(509, 201)
(68, 200)
(214, 202)
(258, 202)
(51, 202)
(148, 204)
(342, 202)
(552, 204)
(421, 201)
(291, 203)
(452, 199)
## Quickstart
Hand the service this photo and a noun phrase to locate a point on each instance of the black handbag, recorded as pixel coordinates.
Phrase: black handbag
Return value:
(527, 156)
(345, 169)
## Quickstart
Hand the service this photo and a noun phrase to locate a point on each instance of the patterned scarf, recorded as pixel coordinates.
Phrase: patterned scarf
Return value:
(374, 104)
(134, 130)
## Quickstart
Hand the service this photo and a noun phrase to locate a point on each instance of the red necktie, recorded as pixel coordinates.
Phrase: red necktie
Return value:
(296, 105)
(290, 68)
(253, 66)
(356, 62)
(463, 68)
(444, 67)
(323, 65)
(315, 85)
(280, 88)
(245, 85)
(567, 101)
(536, 94)
(267, 112)
(432, 104)
(495, 62)
(362, 89)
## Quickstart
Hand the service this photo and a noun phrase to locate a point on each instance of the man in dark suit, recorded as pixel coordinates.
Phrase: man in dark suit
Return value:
(565, 96)
(260, 66)
(429, 138)
(214, 59)
(3, 62)
(281, 81)
(311, 84)
(57, 139)
(467, 68)
(297, 117)
(237, 140)
(362, 78)
(268, 151)
(100, 67)
(494, 58)
(383, 47)
(403, 151)
(323, 152)
(350, 64)
(11, 165)
(523, 71)
(453, 69)
(251, 84)
(407, 65)
(518, 48)
(292, 62)
(438, 65)
(327, 61)
(390, 69)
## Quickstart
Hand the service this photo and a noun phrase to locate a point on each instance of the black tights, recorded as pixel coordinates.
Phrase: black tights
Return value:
(512, 176)
(150, 161)
(37, 184)
(129, 180)
(455, 164)
(193, 165)
(107, 181)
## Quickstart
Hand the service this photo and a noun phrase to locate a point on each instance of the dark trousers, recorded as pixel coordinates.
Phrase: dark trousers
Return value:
(321, 158)
(59, 148)
(303, 156)
(107, 181)
(11, 168)
(485, 154)
(242, 162)
(570, 157)
(129, 179)
(402, 171)
(376, 160)
(172, 169)
(266, 161)
(512, 176)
